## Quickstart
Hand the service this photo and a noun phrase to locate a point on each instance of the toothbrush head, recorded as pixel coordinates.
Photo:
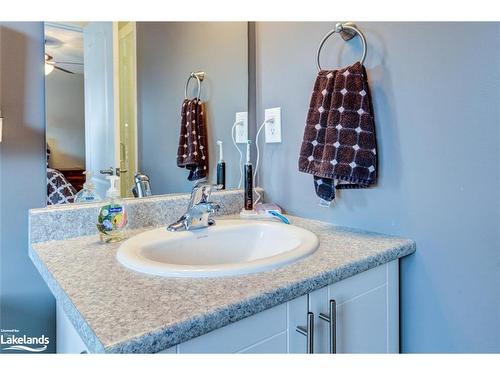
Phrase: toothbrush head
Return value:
(221, 155)
(248, 151)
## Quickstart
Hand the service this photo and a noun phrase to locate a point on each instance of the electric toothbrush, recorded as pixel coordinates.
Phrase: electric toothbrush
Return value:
(248, 181)
(221, 168)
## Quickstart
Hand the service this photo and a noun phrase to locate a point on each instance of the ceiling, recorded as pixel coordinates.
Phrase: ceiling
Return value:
(64, 42)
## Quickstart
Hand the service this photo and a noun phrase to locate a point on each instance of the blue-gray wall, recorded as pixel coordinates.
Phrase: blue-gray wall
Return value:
(436, 96)
(26, 303)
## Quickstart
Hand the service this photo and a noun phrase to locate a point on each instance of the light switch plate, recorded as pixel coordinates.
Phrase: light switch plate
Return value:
(241, 127)
(273, 127)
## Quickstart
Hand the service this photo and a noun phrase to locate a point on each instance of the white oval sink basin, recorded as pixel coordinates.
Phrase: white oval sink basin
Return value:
(231, 247)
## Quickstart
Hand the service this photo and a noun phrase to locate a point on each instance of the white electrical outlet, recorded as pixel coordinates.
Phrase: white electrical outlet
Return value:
(241, 127)
(272, 116)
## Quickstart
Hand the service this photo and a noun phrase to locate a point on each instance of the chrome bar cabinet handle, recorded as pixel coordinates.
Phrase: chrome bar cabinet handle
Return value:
(308, 332)
(331, 318)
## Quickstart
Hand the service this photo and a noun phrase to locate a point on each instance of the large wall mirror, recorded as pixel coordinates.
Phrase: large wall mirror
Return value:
(114, 102)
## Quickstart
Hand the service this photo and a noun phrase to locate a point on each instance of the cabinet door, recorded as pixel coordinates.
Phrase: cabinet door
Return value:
(68, 341)
(271, 331)
(297, 316)
(259, 333)
(273, 345)
(366, 314)
(367, 305)
(318, 303)
(362, 322)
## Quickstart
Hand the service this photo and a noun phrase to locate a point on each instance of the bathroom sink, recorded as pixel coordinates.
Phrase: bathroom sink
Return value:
(231, 247)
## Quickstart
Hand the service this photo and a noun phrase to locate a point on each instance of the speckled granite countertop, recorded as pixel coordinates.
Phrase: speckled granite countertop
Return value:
(117, 310)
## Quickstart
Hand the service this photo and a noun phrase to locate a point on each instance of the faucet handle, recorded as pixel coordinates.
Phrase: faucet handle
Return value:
(204, 184)
(201, 192)
(206, 207)
(213, 207)
(199, 211)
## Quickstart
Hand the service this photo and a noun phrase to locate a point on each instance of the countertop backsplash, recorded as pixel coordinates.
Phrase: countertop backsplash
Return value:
(74, 220)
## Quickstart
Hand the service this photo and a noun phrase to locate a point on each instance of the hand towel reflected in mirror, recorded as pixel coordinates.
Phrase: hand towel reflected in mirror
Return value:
(192, 153)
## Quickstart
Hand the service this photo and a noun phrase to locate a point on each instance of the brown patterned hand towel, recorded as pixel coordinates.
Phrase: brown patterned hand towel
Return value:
(192, 153)
(339, 147)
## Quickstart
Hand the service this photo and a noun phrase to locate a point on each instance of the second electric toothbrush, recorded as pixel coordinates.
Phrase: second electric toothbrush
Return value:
(248, 181)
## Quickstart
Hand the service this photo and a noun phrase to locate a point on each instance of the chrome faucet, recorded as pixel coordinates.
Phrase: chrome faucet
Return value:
(142, 186)
(198, 214)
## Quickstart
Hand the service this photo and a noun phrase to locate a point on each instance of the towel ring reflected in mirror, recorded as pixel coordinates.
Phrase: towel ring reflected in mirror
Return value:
(347, 31)
(199, 76)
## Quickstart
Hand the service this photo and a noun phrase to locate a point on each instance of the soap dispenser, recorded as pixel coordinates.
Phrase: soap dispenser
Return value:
(88, 194)
(112, 217)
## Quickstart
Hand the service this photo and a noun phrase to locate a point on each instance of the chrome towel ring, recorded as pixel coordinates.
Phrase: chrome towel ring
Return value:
(347, 31)
(199, 76)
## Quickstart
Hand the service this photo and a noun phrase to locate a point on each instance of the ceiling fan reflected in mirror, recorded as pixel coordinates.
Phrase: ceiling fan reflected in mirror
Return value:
(51, 64)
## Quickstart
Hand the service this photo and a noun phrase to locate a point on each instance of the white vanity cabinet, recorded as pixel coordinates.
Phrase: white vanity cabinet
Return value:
(365, 311)
(366, 321)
